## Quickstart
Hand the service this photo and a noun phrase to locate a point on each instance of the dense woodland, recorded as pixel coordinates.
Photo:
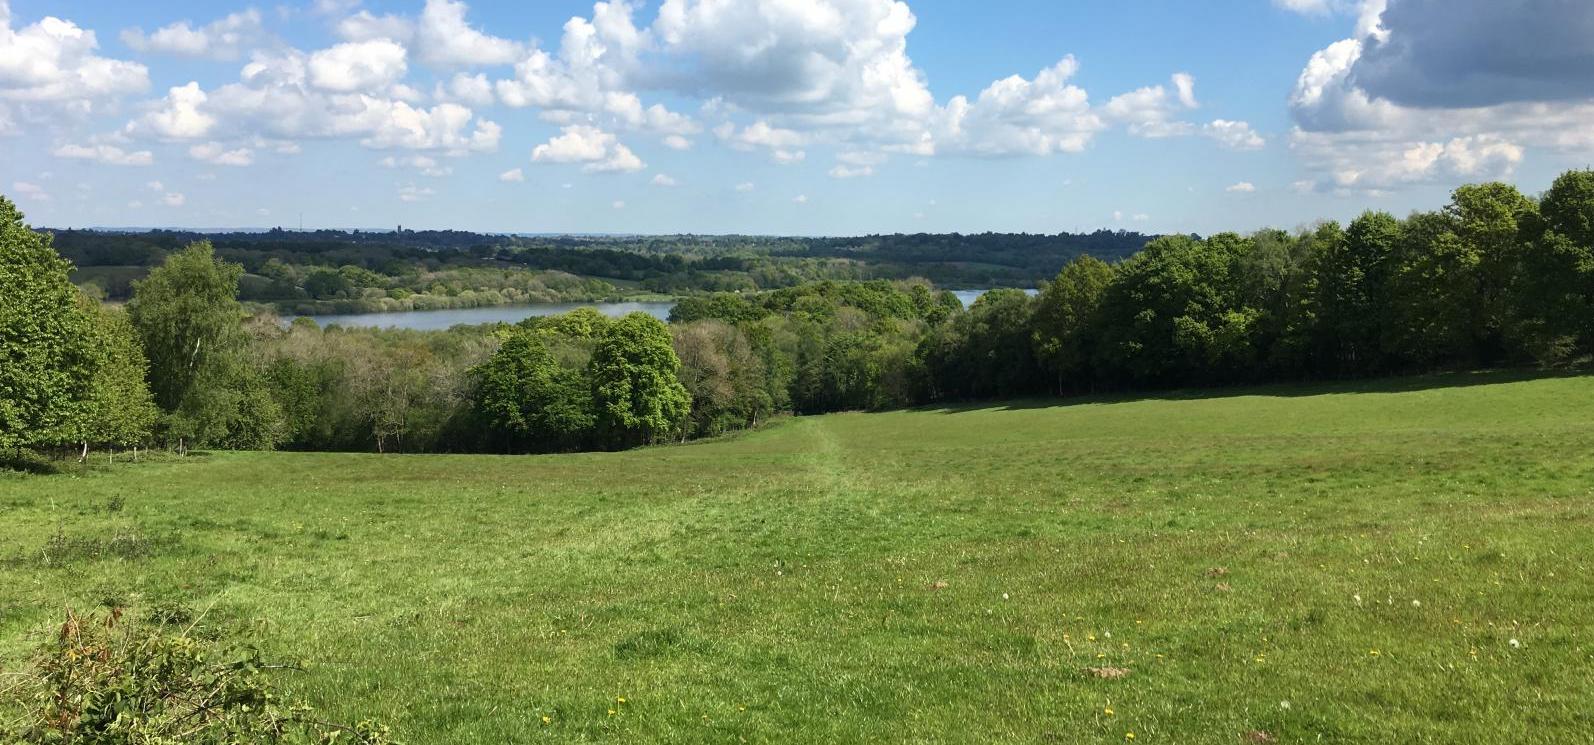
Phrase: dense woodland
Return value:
(1493, 278)
(330, 271)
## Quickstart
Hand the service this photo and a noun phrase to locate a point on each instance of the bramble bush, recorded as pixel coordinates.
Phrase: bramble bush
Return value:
(106, 680)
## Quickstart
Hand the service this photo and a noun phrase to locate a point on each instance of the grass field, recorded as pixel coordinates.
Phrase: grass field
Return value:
(1407, 561)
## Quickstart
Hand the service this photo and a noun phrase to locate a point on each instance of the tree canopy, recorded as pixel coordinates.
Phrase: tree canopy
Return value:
(48, 349)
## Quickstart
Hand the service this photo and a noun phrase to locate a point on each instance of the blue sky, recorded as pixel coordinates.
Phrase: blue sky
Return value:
(774, 116)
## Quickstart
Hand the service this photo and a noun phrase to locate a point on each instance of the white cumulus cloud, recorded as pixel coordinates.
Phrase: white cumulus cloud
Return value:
(358, 66)
(600, 151)
(1429, 91)
(444, 38)
(53, 61)
(107, 154)
(29, 190)
(216, 153)
(225, 39)
(1234, 135)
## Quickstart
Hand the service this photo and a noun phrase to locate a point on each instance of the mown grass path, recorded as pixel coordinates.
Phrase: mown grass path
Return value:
(1348, 563)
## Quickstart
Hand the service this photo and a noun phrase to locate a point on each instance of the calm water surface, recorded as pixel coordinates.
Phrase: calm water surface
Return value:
(434, 320)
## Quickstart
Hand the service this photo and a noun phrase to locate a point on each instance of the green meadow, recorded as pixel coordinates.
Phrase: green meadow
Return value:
(1401, 561)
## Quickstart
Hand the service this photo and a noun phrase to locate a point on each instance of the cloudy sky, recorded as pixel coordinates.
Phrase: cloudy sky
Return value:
(781, 116)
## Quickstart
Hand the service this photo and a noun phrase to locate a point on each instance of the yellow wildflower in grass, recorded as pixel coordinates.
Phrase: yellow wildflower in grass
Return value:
(1372, 653)
(1129, 735)
(547, 719)
(1107, 711)
(612, 712)
(620, 699)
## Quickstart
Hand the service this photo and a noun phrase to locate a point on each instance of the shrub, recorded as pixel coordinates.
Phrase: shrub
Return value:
(103, 681)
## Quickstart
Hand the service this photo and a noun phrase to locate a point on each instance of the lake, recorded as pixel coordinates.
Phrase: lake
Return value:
(436, 320)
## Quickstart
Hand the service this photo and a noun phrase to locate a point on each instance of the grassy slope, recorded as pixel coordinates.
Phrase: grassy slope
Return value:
(780, 587)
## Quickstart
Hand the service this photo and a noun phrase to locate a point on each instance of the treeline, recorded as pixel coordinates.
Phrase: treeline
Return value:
(682, 264)
(311, 290)
(185, 366)
(977, 259)
(319, 277)
(1493, 278)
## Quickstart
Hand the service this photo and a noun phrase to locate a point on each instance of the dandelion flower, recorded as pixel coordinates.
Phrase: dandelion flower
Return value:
(547, 719)
(1129, 735)
(620, 699)
(612, 712)
(1372, 652)
(1107, 711)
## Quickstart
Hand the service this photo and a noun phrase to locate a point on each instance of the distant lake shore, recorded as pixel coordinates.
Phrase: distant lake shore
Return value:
(437, 320)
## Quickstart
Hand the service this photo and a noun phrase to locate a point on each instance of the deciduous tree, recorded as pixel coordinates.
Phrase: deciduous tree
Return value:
(48, 349)
(636, 391)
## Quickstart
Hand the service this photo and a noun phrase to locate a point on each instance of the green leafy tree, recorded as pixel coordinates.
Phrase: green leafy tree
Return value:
(1435, 295)
(1271, 276)
(1491, 219)
(529, 399)
(725, 376)
(326, 284)
(1555, 291)
(48, 350)
(581, 324)
(121, 411)
(201, 372)
(1067, 315)
(1450, 299)
(636, 391)
(1297, 350)
(1350, 294)
(998, 341)
(1174, 316)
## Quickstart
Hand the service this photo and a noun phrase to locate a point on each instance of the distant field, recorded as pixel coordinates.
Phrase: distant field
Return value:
(1407, 561)
(116, 280)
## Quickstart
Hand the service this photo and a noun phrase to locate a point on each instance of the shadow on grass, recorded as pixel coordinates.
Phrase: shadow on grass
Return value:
(28, 462)
(58, 463)
(1403, 384)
